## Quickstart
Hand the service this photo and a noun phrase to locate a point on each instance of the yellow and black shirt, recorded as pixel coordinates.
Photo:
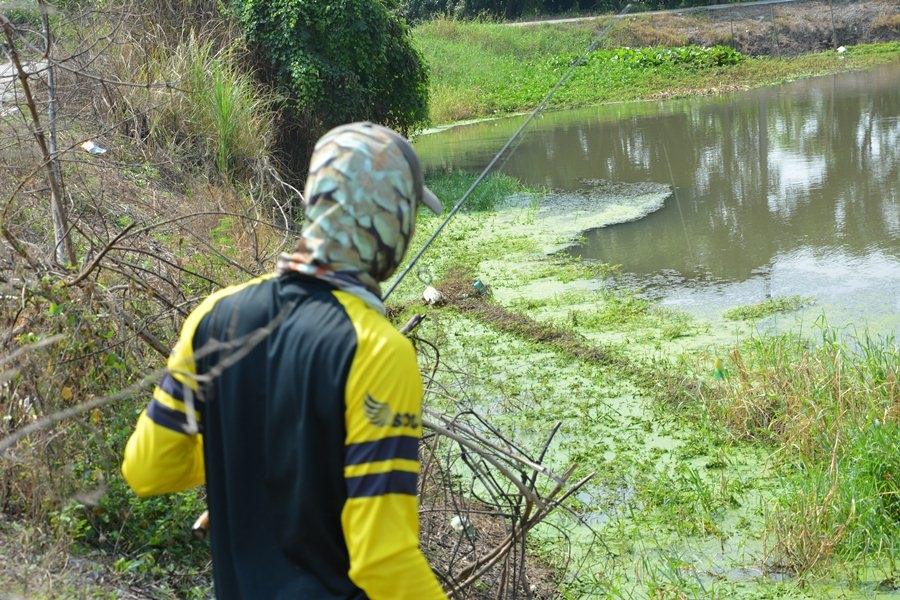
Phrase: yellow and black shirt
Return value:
(307, 443)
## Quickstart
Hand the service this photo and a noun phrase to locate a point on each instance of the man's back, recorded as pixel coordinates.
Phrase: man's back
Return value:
(274, 440)
(309, 442)
(309, 401)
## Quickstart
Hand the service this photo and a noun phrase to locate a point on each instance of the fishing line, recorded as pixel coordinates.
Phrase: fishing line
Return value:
(515, 136)
(687, 238)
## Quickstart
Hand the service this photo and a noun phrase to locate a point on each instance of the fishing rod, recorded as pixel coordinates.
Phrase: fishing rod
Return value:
(595, 43)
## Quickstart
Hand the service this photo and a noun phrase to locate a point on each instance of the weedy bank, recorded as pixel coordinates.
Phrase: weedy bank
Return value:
(140, 175)
(831, 408)
(481, 69)
(734, 465)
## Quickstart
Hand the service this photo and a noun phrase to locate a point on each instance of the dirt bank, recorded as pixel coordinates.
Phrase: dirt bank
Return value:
(798, 26)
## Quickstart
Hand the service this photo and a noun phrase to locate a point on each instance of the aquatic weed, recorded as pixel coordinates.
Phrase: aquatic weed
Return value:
(656, 56)
(449, 186)
(766, 308)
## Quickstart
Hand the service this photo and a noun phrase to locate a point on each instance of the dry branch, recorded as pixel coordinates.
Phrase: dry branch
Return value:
(64, 252)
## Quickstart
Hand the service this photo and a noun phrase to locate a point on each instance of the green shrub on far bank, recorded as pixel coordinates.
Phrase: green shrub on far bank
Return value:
(694, 56)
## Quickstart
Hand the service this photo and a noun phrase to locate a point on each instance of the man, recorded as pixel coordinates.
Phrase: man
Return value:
(298, 403)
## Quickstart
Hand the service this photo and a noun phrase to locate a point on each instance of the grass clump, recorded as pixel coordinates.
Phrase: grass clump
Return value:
(493, 190)
(221, 108)
(619, 308)
(766, 308)
(847, 507)
(692, 502)
(215, 112)
(833, 411)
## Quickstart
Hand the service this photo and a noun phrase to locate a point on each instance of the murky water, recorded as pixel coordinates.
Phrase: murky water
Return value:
(785, 190)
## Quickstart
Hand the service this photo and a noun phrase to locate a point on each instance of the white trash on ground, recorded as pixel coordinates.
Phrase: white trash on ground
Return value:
(92, 148)
(433, 296)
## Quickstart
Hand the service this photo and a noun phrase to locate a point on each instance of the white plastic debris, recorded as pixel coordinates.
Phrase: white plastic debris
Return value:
(841, 49)
(91, 148)
(433, 296)
(459, 524)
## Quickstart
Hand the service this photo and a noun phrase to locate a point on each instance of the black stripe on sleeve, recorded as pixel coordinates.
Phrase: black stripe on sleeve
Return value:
(392, 482)
(172, 387)
(166, 417)
(400, 446)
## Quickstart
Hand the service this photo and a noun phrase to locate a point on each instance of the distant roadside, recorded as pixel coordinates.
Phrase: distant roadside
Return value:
(798, 27)
(854, 23)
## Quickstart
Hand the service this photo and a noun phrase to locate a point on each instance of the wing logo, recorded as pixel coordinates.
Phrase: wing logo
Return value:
(380, 414)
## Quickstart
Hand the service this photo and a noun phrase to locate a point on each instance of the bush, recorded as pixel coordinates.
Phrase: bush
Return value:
(691, 56)
(336, 62)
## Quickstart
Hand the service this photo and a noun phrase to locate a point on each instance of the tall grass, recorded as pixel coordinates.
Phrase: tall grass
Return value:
(848, 506)
(213, 108)
(221, 107)
(832, 409)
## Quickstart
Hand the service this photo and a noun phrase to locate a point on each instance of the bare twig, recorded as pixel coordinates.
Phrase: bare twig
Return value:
(64, 251)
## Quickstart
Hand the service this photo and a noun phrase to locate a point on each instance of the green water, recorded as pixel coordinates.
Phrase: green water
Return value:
(777, 191)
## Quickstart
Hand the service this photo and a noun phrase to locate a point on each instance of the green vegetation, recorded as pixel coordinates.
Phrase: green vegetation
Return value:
(766, 308)
(830, 408)
(694, 57)
(335, 63)
(497, 187)
(790, 451)
(484, 69)
(217, 113)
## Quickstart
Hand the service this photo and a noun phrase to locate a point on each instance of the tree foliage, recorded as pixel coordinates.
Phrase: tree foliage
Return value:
(336, 62)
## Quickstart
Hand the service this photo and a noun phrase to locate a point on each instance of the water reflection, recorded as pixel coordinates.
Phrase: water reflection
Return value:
(807, 169)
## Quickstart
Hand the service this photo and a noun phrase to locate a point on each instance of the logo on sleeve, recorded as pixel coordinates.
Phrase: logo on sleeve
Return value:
(380, 414)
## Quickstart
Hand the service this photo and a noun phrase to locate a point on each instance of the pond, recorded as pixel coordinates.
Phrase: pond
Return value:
(777, 191)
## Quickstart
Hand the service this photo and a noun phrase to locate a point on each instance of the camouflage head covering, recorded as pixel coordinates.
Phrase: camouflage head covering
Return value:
(360, 199)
